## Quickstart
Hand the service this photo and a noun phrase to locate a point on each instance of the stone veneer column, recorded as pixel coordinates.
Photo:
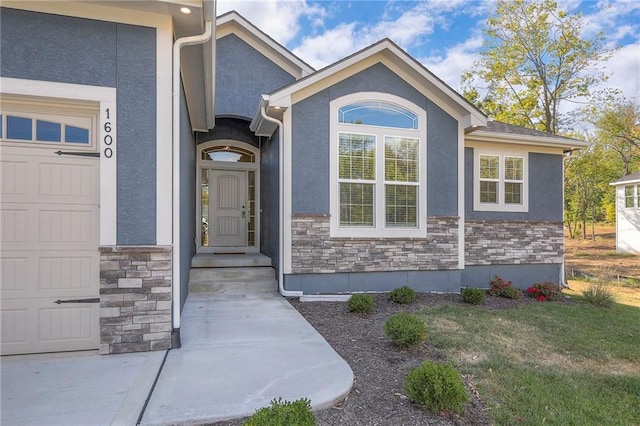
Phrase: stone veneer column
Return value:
(135, 299)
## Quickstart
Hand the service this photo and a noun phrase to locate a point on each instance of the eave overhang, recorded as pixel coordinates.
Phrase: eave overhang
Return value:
(556, 142)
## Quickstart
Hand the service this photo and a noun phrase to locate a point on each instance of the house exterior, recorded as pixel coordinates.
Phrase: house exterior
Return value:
(180, 139)
(628, 213)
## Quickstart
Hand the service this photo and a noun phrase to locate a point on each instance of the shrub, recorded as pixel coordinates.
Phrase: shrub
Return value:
(284, 413)
(475, 296)
(437, 387)
(405, 329)
(544, 291)
(403, 295)
(502, 288)
(599, 295)
(361, 303)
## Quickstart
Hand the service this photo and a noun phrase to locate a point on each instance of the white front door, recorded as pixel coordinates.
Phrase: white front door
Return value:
(228, 209)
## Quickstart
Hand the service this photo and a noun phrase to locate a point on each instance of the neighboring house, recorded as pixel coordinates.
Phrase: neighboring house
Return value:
(628, 213)
(366, 175)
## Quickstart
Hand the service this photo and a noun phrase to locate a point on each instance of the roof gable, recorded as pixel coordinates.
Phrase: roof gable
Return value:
(398, 61)
(234, 23)
(628, 179)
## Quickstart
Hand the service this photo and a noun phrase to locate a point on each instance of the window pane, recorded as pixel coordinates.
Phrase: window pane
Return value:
(401, 206)
(230, 154)
(48, 131)
(629, 196)
(400, 159)
(19, 128)
(356, 204)
(204, 203)
(637, 195)
(1, 134)
(513, 168)
(76, 134)
(378, 113)
(512, 193)
(489, 167)
(488, 192)
(356, 156)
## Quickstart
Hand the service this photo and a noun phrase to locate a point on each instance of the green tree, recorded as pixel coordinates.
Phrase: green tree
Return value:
(534, 59)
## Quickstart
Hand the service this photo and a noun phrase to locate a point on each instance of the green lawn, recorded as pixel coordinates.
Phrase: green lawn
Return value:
(546, 363)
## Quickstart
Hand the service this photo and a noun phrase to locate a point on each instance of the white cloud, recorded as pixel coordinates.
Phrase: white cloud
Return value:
(624, 67)
(450, 66)
(280, 19)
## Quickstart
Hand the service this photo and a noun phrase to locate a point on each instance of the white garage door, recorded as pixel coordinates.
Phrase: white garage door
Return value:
(49, 240)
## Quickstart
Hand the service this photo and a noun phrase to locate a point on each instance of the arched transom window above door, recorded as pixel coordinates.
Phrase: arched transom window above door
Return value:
(228, 153)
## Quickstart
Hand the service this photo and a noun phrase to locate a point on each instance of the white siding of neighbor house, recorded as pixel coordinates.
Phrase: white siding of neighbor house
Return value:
(627, 224)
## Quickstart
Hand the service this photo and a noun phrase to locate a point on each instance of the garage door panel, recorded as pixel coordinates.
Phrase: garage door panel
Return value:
(67, 182)
(41, 325)
(67, 226)
(68, 274)
(14, 183)
(49, 240)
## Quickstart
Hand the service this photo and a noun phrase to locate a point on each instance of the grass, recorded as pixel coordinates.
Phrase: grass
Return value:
(547, 363)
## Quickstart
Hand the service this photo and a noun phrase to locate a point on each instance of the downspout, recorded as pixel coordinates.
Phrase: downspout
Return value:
(177, 46)
(283, 292)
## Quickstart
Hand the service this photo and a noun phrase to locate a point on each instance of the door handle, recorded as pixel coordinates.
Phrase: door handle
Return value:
(244, 213)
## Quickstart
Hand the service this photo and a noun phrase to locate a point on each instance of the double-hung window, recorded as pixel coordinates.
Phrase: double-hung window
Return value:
(378, 166)
(500, 182)
(631, 196)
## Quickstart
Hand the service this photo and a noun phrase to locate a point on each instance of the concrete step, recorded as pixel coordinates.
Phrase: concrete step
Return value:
(204, 260)
(231, 274)
(234, 288)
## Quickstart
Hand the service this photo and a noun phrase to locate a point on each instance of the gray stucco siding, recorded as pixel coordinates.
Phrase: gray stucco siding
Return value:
(188, 223)
(348, 282)
(136, 73)
(269, 199)
(54, 48)
(40, 46)
(545, 190)
(522, 276)
(242, 75)
(311, 136)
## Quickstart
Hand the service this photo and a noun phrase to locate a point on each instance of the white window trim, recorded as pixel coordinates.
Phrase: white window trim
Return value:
(635, 196)
(379, 231)
(500, 206)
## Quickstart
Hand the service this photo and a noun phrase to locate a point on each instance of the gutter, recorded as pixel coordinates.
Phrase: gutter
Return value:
(177, 46)
(281, 289)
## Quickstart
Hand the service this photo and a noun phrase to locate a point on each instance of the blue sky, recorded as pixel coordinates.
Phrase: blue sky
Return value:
(444, 35)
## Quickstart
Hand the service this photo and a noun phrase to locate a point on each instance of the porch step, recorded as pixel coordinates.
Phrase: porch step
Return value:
(205, 260)
(232, 280)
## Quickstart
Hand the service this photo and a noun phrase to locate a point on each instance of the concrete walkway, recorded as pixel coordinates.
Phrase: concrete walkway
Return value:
(237, 354)
(240, 352)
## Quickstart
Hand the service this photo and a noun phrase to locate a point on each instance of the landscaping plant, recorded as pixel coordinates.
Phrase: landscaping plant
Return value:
(436, 387)
(405, 329)
(544, 291)
(284, 413)
(361, 303)
(502, 288)
(475, 296)
(599, 295)
(403, 295)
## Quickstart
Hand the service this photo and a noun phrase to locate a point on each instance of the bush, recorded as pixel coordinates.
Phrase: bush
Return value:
(361, 303)
(405, 329)
(599, 295)
(284, 413)
(502, 288)
(475, 296)
(436, 387)
(403, 295)
(544, 291)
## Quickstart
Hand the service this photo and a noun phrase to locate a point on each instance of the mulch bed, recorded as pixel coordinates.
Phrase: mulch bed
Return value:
(380, 367)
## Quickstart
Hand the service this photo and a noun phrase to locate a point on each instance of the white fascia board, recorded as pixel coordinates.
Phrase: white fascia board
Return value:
(234, 18)
(484, 136)
(626, 182)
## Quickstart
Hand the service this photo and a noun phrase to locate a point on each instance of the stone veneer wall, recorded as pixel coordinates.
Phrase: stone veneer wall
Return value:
(135, 299)
(513, 242)
(314, 251)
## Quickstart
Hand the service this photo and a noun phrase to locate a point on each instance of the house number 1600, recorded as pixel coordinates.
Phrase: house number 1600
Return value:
(108, 139)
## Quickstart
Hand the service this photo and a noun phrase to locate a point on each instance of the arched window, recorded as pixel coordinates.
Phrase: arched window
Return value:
(227, 153)
(378, 180)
